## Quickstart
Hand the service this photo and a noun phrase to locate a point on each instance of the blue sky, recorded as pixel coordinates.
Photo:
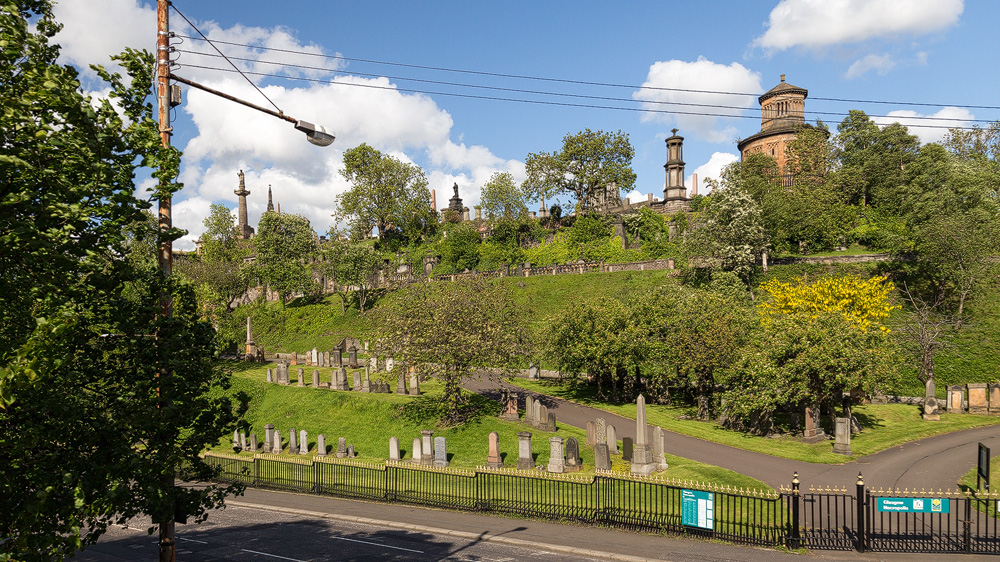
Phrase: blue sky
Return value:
(934, 52)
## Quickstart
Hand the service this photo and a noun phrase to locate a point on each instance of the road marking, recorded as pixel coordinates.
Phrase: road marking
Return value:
(272, 555)
(191, 540)
(378, 544)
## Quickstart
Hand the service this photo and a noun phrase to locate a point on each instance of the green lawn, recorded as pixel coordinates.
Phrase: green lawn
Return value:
(884, 425)
(368, 421)
(989, 503)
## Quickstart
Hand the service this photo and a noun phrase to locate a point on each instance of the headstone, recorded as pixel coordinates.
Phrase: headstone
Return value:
(602, 457)
(529, 410)
(536, 416)
(842, 437)
(978, 400)
(641, 456)
(341, 447)
(337, 358)
(326, 359)
(440, 451)
(524, 459)
(416, 451)
(659, 457)
(627, 449)
(366, 386)
(956, 397)
(389, 364)
(572, 454)
(600, 432)
(236, 439)
(493, 457)
(276, 442)
(427, 447)
(315, 357)
(352, 357)
(350, 452)
(292, 446)
(414, 382)
(533, 372)
(510, 408)
(591, 428)
(550, 422)
(302, 377)
(556, 462)
(357, 381)
(612, 440)
(394, 449)
(315, 378)
(268, 437)
(543, 416)
(254, 444)
(995, 398)
(321, 445)
(813, 432)
(931, 403)
(401, 384)
(243, 441)
(269, 377)
(303, 442)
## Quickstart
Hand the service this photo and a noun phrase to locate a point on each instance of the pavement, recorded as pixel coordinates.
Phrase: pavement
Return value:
(931, 463)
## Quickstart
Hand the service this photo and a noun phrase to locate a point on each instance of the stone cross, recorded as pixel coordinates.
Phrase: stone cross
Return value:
(303, 442)
(440, 451)
(524, 459)
(292, 447)
(341, 447)
(394, 449)
(591, 428)
(427, 447)
(493, 458)
(321, 445)
(842, 436)
(556, 462)
(612, 440)
(302, 377)
(315, 378)
(602, 457)
(572, 454)
(416, 451)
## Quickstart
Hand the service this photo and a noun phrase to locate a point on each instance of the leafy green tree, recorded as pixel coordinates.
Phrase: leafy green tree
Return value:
(595, 167)
(352, 268)
(502, 198)
(872, 160)
(460, 247)
(220, 273)
(454, 331)
(732, 236)
(385, 194)
(89, 427)
(284, 244)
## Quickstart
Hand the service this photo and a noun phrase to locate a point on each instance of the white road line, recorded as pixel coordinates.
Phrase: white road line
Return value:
(191, 540)
(272, 555)
(378, 544)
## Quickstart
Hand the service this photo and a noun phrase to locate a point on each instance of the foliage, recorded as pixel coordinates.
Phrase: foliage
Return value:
(220, 273)
(92, 428)
(284, 242)
(452, 330)
(732, 234)
(385, 193)
(502, 198)
(460, 248)
(865, 302)
(593, 166)
(351, 268)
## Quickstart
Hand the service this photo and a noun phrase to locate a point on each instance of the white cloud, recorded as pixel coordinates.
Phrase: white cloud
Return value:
(711, 170)
(947, 118)
(821, 23)
(881, 64)
(86, 38)
(665, 78)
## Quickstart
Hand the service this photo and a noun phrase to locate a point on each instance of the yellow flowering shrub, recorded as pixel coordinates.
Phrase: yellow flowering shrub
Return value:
(864, 301)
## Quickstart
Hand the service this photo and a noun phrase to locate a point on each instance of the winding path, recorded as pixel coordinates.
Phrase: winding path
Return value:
(936, 462)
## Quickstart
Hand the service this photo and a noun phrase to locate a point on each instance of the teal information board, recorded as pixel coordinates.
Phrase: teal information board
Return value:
(697, 509)
(914, 505)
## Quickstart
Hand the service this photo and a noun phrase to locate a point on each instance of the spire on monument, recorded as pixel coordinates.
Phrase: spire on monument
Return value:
(244, 230)
(270, 202)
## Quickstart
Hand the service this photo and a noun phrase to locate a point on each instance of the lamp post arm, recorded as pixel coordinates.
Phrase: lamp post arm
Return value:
(213, 91)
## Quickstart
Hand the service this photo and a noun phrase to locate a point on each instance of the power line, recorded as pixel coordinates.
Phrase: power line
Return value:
(547, 93)
(580, 82)
(519, 100)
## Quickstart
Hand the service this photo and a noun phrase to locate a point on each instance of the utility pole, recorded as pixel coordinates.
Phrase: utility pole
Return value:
(167, 539)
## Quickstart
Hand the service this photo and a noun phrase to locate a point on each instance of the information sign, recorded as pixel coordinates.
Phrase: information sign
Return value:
(914, 505)
(697, 509)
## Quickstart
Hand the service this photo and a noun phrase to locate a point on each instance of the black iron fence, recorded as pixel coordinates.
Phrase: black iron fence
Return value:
(825, 519)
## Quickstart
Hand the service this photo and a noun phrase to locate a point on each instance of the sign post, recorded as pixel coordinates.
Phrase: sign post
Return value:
(983, 472)
(698, 509)
(914, 505)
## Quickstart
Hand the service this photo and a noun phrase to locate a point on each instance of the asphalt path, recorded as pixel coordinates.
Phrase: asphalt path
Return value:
(931, 463)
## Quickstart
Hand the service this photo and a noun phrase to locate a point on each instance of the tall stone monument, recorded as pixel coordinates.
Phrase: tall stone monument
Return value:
(642, 453)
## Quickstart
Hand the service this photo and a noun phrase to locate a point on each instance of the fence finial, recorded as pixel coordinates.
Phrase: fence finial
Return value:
(861, 480)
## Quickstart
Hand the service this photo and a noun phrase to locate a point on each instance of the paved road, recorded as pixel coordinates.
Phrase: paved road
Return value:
(931, 463)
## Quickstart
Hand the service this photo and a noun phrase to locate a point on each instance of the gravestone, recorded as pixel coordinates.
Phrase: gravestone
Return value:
(627, 449)
(612, 440)
(269, 377)
(641, 456)
(931, 403)
(956, 397)
(427, 447)
(268, 437)
(321, 445)
(390, 363)
(524, 458)
(357, 381)
(315, 378)
(602, 457)
(510, 408)
(394, 449)
(254, 445)
(978, 400)
(659, 458)
(600, 431)
(292, 443)
(341, 447)
(302, 377)
(550, 422)
(315, 357)
(337, 358)
(350, 452)
(416, 451)
(995, 398)
(352, 357)
(533, 372)
(556, 462)
(401, 384)
(366, 386)
(440, 451)
(540, 414)
(493, 456)
(842, 437)
(414, 382)
(243, 441)
(591, 428)
(276, 443)
(573, 463)
(373, 363)
(529, 410)
(326, 359)
(303, 442)
(813, 432)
